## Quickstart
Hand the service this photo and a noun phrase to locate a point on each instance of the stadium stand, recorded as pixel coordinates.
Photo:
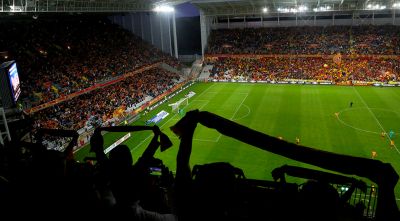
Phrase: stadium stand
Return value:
(336, 54)
(99, 107)
(62, 56)
(40, 178)
(368, 69)
(306, 40)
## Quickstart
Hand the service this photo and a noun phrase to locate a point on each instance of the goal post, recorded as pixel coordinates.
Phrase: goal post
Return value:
(179, 104)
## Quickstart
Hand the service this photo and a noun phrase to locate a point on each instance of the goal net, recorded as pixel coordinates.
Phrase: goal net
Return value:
(179, 104)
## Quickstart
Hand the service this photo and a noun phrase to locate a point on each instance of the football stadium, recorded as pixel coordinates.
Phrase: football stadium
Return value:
(200, 109)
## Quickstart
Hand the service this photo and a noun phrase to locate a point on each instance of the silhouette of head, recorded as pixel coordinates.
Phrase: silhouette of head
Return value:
(120, 157)
(122, 177)
(320, 200)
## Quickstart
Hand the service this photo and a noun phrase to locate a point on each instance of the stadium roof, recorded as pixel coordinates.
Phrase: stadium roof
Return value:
(83, 5)
(209, 7)
(232, 7)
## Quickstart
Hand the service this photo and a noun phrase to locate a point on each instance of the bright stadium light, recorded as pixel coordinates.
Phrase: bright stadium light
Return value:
(396, 5)
(163, 8)
(302, 8)
(265, 9)
(16, 8)
(323, 8)
(376, 7)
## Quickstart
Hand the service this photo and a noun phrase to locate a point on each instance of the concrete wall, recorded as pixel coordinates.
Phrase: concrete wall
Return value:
(154, 28)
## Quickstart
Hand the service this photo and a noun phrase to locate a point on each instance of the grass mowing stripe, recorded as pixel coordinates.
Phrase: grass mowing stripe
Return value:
(373, 115)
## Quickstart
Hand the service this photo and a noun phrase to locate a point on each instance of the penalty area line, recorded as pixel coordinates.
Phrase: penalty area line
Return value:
(141, 142)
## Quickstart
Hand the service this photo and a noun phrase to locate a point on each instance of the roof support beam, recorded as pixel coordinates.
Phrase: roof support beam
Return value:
(230, 5)
(252, 5)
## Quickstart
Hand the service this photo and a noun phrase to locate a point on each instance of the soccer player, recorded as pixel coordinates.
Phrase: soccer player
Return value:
(351, 103)
(391, 144)
(297, 140)
(337, 114)
(383, 134)
(391, 134)
(373, 189)
(181, 112)
(374, 154)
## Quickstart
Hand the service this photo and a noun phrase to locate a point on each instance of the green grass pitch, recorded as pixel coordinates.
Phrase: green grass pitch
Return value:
(289, 111)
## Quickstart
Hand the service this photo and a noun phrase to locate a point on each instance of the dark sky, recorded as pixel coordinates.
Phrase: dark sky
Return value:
(186, 10)
(189, 42)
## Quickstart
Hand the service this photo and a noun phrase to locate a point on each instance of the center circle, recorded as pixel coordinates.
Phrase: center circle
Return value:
(366, 109)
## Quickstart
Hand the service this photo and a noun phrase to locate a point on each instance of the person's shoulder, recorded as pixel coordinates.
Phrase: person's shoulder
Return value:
(143, 214)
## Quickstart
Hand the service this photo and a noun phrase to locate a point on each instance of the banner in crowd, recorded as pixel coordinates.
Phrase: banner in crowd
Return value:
(337, 59)
(85, 133)
(118, 142)
(283, 81)
(320, 82)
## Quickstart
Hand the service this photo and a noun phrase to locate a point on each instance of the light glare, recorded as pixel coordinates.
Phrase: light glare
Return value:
(163, 8)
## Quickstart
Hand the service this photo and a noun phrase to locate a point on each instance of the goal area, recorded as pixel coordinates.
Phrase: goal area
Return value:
(175, 107)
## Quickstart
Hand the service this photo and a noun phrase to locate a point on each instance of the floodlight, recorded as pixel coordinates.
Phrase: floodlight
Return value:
(163, 8)
(265, 9)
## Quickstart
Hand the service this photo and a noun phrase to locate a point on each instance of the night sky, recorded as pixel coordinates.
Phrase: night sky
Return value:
(186, 10)
(188, 29)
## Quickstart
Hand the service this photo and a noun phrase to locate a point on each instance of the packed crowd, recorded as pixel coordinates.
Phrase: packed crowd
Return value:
(281, 68)
(102, 105)
(306, 40)
(61, 56)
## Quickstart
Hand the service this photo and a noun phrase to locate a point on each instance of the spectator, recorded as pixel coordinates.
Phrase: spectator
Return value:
(62, 56)
(98, 107)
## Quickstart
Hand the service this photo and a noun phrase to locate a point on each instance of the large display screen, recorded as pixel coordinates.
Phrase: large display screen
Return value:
(14, 81)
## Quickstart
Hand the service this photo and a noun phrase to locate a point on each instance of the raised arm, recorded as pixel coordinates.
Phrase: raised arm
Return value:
(185, 130)
(154, 144)
(381, 173)
(148, 154)
(183, 179)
